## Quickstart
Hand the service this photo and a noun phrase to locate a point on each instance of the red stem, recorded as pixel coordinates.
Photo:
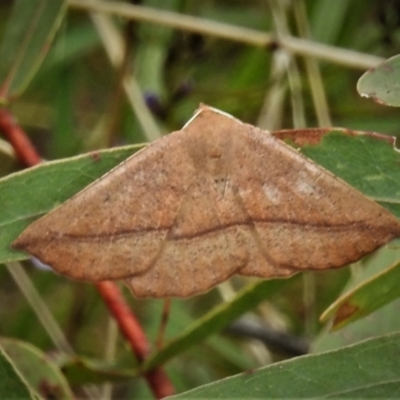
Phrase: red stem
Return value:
(24, 150)
(128, 323)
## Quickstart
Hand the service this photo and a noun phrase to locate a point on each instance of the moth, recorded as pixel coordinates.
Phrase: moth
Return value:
(217, 198)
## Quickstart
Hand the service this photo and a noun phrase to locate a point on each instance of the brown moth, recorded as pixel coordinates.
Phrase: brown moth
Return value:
(217, 198)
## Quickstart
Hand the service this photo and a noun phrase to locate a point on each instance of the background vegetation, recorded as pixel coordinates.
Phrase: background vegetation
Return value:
(118, 77)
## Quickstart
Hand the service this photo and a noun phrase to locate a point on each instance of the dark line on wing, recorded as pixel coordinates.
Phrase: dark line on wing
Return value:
(359, 226)
(253, 231)
(166, 239)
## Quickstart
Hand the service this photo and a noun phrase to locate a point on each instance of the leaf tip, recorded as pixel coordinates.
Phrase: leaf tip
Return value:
(343, 313)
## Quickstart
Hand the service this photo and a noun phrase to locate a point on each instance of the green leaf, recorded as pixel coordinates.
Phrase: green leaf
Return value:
(364, 299)
(373, 285)
(27, 195)
(43, 376)
(11, 384)
(27, 38)
(382, 82)
(381, 322)
(368, 163)
(217, 319)
(365, 370)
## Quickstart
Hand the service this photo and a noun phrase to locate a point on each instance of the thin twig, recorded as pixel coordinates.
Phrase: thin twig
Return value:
(109, 354)
(293, 75)
(163, 324)
(117, 97)
(114, 47)
(304, 47)
(278, 340)
(312, 67)
(40, 307)
(272, 110)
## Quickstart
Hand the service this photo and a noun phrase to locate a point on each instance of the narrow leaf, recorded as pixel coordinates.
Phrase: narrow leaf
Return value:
(364, 299)
(381, 322)
(217, 319)
(382, 83)
(11, 384)
(366, 370)
(43, 376)
(368, 163)
(27, 38)
(27, 195)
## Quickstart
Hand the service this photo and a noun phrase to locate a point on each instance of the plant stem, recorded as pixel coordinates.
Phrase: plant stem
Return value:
(114, 47)
(308, 48)
(24, 150)
(131, 329)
